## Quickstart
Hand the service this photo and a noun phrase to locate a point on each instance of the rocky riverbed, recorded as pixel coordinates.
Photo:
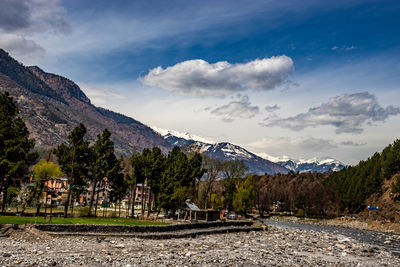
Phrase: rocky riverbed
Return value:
(274, 247)
(348, 222)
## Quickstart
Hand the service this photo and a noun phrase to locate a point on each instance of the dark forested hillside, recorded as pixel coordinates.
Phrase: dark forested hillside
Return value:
(356, 184)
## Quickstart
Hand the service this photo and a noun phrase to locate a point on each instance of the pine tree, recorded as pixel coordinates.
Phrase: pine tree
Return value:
(138, 162)
(15, 146)
(105, 164)
(75, 161)
(154, 169)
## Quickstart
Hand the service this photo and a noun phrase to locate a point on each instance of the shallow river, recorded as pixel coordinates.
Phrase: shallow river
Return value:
(387, 240)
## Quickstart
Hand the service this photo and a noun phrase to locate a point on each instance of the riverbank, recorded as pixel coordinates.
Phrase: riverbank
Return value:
(349, 222)
(276, 246)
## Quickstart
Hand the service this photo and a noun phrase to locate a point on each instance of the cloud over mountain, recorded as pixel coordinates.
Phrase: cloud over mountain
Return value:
(308, 143)
(21, 46)
(240, 108)
(23, 18)
(28, 16)
(272, 108)
(200, 78)
(347, 113)
(351, 143)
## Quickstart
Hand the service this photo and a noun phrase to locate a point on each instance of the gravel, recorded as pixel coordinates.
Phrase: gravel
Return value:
(275, 247)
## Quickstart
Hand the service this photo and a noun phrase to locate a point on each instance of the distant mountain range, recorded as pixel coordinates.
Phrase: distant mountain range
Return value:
(325, 164)
(52, 106)
(257, 163)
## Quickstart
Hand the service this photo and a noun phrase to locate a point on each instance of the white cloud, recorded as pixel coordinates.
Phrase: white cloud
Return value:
(272, 108)
(21, 47)
(303, 146)
(20, 20)
(351, 143)
(288, 144)
(100, 95)
(31, 16)
(14, 15)
(347, 113)
(200, 78)
(241, 108)
(343, 48)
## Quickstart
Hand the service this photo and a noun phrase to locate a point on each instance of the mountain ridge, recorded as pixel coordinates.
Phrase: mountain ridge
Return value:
(216, 150)
(52, 105)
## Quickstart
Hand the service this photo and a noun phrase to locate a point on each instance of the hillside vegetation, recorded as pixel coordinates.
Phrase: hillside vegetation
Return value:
(358, 183)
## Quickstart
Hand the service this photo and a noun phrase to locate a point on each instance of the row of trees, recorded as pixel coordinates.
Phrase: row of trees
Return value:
(290, 192)
(86, 165)
(172, 178)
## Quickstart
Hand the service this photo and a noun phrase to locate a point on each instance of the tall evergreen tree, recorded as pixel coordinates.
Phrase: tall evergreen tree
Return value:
(154, 169)
(15, 146)
(105, 164)
(119, 186)
(139, 164)
(196, 173)
(75, 161)
(179, 179)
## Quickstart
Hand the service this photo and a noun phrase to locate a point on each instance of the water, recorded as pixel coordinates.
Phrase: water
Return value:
(367, 236)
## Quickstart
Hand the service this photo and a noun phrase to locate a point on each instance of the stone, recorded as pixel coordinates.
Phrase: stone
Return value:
(342, 246)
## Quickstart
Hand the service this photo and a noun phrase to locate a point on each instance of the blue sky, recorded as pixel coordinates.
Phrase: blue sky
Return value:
(330, 69)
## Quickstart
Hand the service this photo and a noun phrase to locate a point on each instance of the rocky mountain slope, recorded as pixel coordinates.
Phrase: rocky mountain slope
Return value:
(52, 106)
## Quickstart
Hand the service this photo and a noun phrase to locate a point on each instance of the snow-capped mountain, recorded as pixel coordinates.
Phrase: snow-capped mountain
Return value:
(310, 165)
(179, 139)
(257, 163)
(227, 152)
(223, 151)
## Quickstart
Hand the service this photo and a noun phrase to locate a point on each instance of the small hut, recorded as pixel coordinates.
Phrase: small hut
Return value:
(192, 209)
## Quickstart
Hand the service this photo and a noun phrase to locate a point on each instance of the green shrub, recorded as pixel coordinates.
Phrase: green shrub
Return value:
(300, 213)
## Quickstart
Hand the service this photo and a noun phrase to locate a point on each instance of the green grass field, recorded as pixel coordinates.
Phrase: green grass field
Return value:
(82, 220)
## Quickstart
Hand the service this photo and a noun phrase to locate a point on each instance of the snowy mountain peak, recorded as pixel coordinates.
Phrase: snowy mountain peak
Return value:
(275, 159)
(257, 163)
(325, 164)
(234, 151)
(188, 136)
